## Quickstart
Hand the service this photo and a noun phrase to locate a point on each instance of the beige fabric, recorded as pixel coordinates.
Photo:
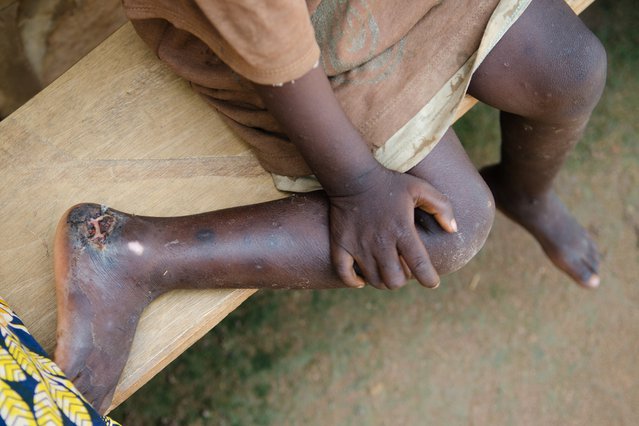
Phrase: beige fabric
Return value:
(413, 141)
(398, 72)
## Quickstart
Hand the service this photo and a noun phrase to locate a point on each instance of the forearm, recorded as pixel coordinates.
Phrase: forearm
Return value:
(312, 118)
(371, 213)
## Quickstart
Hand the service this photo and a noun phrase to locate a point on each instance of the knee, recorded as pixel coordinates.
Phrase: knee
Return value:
(572, 79)
(474, 216)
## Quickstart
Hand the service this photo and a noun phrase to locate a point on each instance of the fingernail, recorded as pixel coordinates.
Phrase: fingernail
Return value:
(453, 224)
(594, 281)
(436, 285)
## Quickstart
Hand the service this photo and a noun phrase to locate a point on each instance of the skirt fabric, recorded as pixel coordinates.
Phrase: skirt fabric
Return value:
(33, 389)
(399, 71)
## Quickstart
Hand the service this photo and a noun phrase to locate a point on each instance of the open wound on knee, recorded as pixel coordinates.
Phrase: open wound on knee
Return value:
(98, 229)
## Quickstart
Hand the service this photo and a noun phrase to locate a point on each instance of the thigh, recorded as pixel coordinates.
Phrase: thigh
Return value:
(547, 59)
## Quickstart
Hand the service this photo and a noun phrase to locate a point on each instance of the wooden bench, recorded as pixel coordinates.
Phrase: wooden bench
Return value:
(121, 129)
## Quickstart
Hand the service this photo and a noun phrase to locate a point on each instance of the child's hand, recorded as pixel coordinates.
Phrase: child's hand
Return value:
(375, 228)
(372, 208)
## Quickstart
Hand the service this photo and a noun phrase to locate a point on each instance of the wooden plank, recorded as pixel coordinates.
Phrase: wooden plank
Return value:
(121, 129)
(579, 5)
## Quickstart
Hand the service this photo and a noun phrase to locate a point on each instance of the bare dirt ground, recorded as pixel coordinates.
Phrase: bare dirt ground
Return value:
(507, 340)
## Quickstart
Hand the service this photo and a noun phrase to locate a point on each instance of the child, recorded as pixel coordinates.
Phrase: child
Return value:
(400, 198)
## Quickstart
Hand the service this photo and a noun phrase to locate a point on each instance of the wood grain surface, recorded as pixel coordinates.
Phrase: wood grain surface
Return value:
(120, 129)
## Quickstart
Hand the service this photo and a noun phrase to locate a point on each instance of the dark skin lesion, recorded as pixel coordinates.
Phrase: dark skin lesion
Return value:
(98, 229)
(362, 228)
(205, 235)
(102, 291)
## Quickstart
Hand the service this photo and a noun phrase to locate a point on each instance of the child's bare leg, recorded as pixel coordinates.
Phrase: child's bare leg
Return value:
(546, 75)
(110, 265)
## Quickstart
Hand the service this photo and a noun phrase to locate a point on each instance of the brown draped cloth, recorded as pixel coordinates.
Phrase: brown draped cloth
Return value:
(399, 69)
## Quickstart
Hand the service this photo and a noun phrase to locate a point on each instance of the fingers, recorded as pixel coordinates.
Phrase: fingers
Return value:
(407, 273)
(370, 273)
(390, 268)
(437, 204)
(416, 257)
(344, 267)
(389, 271)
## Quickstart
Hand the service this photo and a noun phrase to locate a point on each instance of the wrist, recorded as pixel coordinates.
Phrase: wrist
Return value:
(355, 181)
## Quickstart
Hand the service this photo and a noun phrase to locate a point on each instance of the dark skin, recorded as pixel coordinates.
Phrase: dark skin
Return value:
(283, 244)
(371, 207)
(541, 121)
(387, 225)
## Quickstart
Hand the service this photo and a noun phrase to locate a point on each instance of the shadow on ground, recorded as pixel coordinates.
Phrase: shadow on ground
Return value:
(507, 340)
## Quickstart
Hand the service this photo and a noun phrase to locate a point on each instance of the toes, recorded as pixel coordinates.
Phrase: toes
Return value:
(591, 261)
(90, 392)
(70, 360)
(594, 281)
(82, 383)
(591, 278)
(584, 273)
(593, 257)
(102, 398)
(578, 267)
(96, 392)
(103, 405)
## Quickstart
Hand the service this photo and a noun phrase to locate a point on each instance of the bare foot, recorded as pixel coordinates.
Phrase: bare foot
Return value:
(564, 241)
(99, 301)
